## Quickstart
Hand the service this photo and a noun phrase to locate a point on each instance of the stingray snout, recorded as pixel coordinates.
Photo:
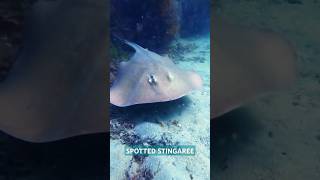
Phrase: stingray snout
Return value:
(196, 80)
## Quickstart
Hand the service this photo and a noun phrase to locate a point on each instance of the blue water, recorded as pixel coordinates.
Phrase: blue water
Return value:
(185, 121)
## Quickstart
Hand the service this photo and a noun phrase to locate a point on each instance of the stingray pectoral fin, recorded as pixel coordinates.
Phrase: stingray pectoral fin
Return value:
(246, 64)
(57, 87)
(117, 98)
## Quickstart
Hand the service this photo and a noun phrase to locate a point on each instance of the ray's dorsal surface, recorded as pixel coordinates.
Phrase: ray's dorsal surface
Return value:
(148, 78)
(247, 63)
(56, 88)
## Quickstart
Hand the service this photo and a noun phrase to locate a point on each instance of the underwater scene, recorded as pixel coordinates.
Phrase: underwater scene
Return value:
(160, 88)
(273, 130)
(52, 88)
(264, 110)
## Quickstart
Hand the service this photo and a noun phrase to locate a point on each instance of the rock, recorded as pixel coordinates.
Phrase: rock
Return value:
(152, 24)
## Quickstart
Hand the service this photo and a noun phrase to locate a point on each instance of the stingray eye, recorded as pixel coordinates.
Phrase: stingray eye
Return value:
(152, 79)
(170, 76)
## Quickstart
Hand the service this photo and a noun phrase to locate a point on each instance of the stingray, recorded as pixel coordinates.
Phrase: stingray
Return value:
(56, 88)
(148, 78)
(247, 63)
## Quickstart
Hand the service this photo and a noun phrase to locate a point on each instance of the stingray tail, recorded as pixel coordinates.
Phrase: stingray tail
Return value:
(135, 46)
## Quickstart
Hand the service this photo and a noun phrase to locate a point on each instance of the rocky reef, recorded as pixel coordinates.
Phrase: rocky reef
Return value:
(151, 23)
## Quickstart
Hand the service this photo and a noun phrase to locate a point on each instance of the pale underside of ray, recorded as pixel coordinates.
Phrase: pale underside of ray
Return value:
(246, 64)
(56, 88)
(134, 80)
